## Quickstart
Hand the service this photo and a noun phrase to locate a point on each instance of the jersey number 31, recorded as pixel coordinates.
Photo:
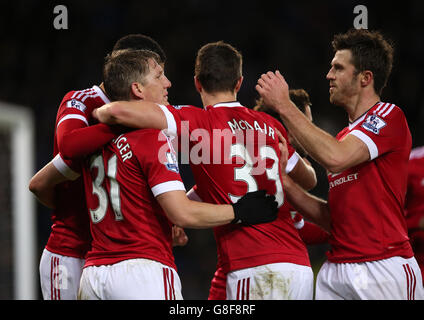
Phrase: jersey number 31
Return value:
(99, 213)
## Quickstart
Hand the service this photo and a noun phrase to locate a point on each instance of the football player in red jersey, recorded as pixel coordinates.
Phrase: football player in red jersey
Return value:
(415, 204)
(238, 152)
(63, 258)
(309, 232)
(370, 256)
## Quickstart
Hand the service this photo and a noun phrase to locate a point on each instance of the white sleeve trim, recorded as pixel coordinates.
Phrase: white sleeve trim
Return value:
(192, 195)
(372, 147)
(64, 169)
(73, 116)
(172, 125)
(291, 163)
(300, 224)
(167, 186)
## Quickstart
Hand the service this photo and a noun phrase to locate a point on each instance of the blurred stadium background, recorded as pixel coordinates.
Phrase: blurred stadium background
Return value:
(39, 64)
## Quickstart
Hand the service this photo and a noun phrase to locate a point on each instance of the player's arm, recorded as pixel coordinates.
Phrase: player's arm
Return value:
(43, 183)
(310, 206)
(133, 114)
(254, 207)
(77, 142)
(336, 156)
(179, 237)
(302, 172)
(76, 139)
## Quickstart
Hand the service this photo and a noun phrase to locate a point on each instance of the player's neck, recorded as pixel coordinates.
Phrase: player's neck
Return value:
(360, 104)
(102, 87)
(210, 99)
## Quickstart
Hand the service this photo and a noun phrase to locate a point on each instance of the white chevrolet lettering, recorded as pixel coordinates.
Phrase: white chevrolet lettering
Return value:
(348, 178)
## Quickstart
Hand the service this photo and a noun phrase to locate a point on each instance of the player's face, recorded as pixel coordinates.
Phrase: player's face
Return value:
(156, 84)
(344, 83)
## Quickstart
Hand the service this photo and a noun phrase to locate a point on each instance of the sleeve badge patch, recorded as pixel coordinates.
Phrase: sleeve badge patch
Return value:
(76, 104)
(374, 124)
(172, 162)
(178, 107)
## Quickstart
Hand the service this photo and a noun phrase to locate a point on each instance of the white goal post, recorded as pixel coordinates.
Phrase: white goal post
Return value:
(19, 120)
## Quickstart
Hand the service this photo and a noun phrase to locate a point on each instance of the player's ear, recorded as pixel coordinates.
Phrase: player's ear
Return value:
(197, 85)
(137, 90)
(366, 78)
(238, 84)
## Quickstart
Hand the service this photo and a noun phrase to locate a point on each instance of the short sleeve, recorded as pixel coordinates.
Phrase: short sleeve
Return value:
(183, 119)
(73, 109)
(68, 168)
(383, 131)
(159, 163)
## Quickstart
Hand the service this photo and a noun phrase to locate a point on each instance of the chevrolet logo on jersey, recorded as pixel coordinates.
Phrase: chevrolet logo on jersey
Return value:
(374, 124)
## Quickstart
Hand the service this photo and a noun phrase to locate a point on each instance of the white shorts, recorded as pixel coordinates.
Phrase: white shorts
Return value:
(133, 279)
(276, 281)
(394, 278)
(59, 276)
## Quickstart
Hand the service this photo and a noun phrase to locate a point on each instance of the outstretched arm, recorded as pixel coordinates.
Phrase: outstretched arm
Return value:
(310, 206)
(253, 208)
(75, 140)
(334, 155)
(133, 114)
(43, 183)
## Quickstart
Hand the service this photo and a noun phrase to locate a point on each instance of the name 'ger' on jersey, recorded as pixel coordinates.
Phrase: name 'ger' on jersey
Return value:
(372, 194)
(233, 150)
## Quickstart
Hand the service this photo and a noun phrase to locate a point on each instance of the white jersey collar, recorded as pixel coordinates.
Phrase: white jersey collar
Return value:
(101, 94)
(231, 104)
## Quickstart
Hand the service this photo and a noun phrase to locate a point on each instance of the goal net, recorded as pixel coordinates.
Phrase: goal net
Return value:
(18, 270)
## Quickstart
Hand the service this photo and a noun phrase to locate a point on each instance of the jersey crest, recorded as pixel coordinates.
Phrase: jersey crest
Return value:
(76, 104)
(374, 124)
(172, 162)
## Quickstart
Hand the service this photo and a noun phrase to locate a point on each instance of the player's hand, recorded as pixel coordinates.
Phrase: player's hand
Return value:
(103, 114)
(179, 237)
(308, 112)
(255, 207)
(284, 152)
(274, 90)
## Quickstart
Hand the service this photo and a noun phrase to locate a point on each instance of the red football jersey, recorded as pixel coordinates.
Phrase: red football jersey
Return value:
(121, 184)
(70, 234)
(415, 203)
(309, 232)
(233, 150)
(367, 201)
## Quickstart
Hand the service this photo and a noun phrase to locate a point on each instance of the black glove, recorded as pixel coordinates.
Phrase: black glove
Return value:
(255, 207)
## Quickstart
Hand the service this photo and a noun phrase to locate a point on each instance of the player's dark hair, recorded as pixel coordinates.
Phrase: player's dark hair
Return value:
(218, 67)
(370, 51)
(140, 42)
(124, 67)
